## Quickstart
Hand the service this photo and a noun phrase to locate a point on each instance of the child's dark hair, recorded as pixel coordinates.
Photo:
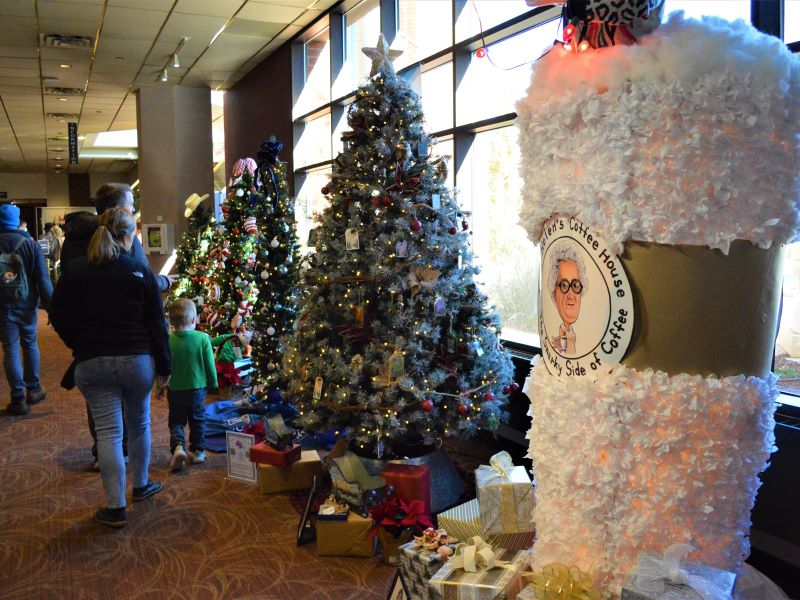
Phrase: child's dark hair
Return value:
(181, 313)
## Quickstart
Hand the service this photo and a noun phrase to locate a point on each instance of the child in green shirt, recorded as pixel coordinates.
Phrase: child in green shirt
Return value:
(193, 371)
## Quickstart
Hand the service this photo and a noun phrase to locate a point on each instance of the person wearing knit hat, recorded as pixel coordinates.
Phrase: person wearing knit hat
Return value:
(19, 316)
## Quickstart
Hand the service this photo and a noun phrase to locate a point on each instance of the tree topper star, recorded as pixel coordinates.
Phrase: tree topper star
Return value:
(381, 55)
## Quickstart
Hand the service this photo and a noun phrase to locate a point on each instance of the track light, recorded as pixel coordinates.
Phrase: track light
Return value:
(175, 62)
(164, 75)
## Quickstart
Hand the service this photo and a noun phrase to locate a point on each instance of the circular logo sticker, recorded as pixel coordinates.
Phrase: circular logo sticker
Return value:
(585, 304)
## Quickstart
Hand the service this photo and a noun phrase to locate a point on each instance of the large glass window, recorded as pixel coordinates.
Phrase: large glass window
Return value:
(316, 89)
(476, 16)
(791, 21)
(309, 202)
(437, 96)
(314, 142)
(362, 25)
(424, 28)
(727, 9)
(509, 261)
(495, 82)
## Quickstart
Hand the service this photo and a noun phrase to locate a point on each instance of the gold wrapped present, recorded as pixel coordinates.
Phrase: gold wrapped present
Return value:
(464, 522)
(505, 496)
(478, 572)
(560, 582)
(297, 476)
(346, 538)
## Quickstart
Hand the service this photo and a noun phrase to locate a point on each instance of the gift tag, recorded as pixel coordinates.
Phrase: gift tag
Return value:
(436, 201)
(351, 239)
(317, 388)
(401, 249)
(439, 307)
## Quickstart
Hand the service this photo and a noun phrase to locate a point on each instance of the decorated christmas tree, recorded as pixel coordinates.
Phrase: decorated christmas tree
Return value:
(192, 257)
(395, 344)
(278, 268)
(231, 290)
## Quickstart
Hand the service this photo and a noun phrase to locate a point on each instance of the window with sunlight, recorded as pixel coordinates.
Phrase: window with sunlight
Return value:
(362, 25)
(424, 28)
(509, 261)
(316, 89)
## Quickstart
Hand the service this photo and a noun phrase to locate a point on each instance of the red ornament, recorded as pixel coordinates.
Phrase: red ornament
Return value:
(569, 31)
(203, 279)
(462, 409)
(506, 389)
(375, 201)
(225, 208)
(488, 396)
(326, 190)
(236, 261)
(387, 200)
(514, 387)
(196, 279)
(236, 230)
(427, 405)
(480, 52)
(464, 225)
(452, 230)
(416, 225)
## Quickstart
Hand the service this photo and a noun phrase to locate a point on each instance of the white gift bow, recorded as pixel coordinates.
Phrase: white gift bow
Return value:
(653, 574)
(476, 554)
(500, 465)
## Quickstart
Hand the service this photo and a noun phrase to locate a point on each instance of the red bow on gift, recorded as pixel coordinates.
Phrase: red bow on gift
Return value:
(227, 374)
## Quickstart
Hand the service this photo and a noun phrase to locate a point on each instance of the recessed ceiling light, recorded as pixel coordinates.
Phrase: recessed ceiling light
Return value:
(62, 120)
(58, 166)
(62, 99)
(57, 171)
(65, 66)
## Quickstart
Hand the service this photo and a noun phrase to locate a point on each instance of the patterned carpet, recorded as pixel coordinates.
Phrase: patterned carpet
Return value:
(203, 537)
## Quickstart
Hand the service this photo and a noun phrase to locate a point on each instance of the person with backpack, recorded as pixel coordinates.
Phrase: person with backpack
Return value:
(23, 283)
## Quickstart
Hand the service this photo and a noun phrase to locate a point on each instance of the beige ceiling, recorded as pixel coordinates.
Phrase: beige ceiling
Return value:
(131, 43)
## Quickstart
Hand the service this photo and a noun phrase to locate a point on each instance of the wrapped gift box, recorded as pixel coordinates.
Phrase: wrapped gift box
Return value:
(418, 566)
(463, 522)
(297, 476)
(527, 593)
(706, 582)
(411, 482)
(506, 502)
(493, 584)
(264, 454)
(352, 537)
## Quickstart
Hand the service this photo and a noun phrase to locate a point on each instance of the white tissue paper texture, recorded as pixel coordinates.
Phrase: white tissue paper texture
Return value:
(690, 137)
(639, 460)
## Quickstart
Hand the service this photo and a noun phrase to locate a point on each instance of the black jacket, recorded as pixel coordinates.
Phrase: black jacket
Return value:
(38, 278)
(78, 230)
(111, 310)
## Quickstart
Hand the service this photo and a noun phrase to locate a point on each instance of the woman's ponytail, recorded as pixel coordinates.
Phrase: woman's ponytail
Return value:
(108, 238)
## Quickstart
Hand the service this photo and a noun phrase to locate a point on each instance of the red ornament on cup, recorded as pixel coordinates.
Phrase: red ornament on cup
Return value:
(416, 225)
(488, 396)
(427, 405)
(462, 409)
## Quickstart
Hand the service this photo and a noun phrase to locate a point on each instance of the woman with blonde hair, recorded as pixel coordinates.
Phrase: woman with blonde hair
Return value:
(107, 308)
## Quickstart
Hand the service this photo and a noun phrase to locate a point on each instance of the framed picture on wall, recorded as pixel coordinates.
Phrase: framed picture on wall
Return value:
(157, 238)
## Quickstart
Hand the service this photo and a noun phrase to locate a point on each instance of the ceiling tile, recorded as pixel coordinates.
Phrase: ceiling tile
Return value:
(240, 42)
(18, 25)
(71, 56)
(253, 28)
(132, 50)
(19, 81)
(70, 11)
(269, 13)
(20, 40)
(159, 5)
(19, 63)
(12, 52)
(196, 24)
(133, 23)
(17, 8)
(214, 8)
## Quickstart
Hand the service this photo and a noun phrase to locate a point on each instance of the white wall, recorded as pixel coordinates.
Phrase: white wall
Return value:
(25, 186)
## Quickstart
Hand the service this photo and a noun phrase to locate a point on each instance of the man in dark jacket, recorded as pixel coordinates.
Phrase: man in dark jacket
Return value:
(18, 321)
(78, 230)
(79, 227)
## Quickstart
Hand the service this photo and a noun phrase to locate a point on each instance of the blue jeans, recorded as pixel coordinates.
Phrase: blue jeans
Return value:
(108, 383)
(187, 406)
(19, 327)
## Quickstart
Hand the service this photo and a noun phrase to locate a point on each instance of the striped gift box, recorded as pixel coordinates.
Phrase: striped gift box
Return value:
(464, 522)
(500, 583)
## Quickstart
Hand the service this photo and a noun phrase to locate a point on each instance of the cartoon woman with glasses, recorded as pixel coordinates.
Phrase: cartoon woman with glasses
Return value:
(568, 284)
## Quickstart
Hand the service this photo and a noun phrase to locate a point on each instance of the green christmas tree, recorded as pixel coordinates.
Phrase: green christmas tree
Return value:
(231, 289)
(192, 256)
(278, 269)
(395, 343)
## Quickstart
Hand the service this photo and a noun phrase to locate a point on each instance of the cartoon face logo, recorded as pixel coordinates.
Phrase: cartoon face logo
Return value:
(567, 283)
(9, 276)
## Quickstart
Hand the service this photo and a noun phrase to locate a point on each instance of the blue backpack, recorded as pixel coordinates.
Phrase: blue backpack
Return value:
(13, 276)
